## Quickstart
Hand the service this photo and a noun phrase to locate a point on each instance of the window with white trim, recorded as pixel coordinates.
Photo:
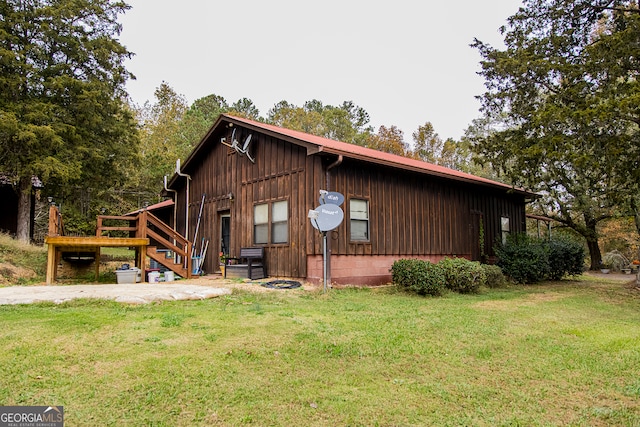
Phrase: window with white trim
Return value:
(261, 224)
(280, 222)
(359, 219)
(271, 223)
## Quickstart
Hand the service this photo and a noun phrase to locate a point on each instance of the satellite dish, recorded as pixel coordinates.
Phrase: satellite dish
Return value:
(331, 198)
(235, 144)
(246, 144)
(327, 217)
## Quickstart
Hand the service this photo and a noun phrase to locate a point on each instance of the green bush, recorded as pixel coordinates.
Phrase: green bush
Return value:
(421, 277)
(495, 277)
(462, 275)
(523, 258)
(566, 257)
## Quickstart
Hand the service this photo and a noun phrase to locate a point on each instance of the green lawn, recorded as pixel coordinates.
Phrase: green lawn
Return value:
(556, 354)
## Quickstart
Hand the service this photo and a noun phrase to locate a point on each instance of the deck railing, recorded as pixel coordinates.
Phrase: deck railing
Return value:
(147, 225)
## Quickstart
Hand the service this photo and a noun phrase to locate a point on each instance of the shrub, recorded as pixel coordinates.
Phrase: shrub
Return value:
(462, 275)
(566, 257)
(524, 259)
(421, 277)
(495, 277)
(615, 260)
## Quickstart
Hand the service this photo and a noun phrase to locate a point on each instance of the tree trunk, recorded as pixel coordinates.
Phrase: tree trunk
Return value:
(635, 212)
(594, 254)
(591, 235)
(636, 218)
(23, 232)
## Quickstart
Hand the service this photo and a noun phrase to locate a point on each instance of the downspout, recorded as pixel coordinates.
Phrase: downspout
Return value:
(186, 220)
(328, 186)
(175, 204)
(175, 213)
(331, 166)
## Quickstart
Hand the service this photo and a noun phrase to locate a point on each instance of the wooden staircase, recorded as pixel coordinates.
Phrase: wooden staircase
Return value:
(147, 225)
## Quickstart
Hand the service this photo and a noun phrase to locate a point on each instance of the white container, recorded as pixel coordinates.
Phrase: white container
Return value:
(154, 277)
(168, 276)
(127, 276)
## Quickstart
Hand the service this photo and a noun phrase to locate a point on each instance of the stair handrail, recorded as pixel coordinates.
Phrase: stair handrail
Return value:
(162, 233)
(182, 245)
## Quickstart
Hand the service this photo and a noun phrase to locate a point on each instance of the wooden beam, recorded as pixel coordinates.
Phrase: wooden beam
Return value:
(51, 264)
(89, 242)
(97, 261)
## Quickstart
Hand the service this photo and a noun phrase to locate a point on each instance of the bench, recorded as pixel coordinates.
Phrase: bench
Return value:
(250, 264)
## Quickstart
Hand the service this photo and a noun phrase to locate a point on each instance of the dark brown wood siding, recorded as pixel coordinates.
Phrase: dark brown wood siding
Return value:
(414, 214)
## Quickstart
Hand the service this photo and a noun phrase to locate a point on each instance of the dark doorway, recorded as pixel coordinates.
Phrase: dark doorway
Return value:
(225, 233)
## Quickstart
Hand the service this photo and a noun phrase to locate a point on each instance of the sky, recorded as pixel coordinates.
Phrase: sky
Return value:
(406, 62)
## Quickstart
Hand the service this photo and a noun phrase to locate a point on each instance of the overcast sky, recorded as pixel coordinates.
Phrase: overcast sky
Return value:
(405, 62)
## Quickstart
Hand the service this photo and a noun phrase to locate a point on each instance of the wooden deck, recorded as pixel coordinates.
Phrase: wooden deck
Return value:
(144, 226)
(59, 244)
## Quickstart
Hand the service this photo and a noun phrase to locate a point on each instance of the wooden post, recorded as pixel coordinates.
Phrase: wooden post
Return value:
(141, 224)
(141, 253)
(97, 261)
(53, 221)
(51, 264)
(188, 249)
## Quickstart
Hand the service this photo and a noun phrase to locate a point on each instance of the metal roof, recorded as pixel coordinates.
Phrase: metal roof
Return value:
(317, 144)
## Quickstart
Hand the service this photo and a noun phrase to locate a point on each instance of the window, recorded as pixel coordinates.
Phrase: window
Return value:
(261, 224)
(505, 228)
(279, 223)
(359, 216)
(271, 223)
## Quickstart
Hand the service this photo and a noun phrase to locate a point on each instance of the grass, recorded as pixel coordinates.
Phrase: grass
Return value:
(21, 263)
(565, 353)
(118, 254)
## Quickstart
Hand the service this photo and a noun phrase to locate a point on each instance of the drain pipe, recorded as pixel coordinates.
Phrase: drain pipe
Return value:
(175, 204)
(331, 166)
(186, 220)
(175, 213)
(327, 245)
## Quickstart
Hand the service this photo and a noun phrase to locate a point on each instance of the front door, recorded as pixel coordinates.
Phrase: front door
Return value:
(225, 233)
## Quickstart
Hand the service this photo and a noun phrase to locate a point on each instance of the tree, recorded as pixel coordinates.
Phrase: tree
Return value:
(427, 144)
(160, 139)
(63, 116)
(346, 123)
(565, 94)
(245, 108)
(199, 118)
(429, 147)
(390, 140)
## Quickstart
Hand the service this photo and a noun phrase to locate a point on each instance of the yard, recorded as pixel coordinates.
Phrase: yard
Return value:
(565, 353)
